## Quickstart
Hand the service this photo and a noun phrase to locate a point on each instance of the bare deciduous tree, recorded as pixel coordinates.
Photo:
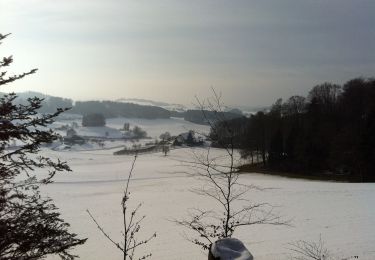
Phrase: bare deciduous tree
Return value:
(131, 226)
(221, 184)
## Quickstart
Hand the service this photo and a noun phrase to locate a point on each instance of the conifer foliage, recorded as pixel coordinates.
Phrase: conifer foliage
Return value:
(30, 225)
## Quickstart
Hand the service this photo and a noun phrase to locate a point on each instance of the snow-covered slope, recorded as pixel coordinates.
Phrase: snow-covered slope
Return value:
(342, 213)
(155, 127)
(99, 131)
(146, 102)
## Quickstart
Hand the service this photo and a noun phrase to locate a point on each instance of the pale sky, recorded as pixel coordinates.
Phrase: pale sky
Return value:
(253, 52)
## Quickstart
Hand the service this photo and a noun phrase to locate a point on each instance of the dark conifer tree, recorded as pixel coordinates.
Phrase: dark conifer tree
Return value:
(30, 225)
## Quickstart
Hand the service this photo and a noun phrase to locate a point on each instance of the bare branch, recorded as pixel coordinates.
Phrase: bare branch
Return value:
(103, 232)
(220, 176)
(131, 225)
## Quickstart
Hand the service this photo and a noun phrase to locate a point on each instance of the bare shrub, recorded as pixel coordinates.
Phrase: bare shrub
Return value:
(131, 226)
(307, 250)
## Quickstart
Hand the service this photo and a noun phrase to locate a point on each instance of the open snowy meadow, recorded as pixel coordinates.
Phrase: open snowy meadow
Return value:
(342, 214)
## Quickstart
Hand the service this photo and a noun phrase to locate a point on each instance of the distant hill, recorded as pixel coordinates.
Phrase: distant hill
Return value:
(107, 108)
(147, 102)
(111, 109)
(49, 104)
(131, 108)
(204, 117)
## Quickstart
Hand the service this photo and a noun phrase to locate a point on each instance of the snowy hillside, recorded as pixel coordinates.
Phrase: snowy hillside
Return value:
(153, 127)
(342, 213)
(146, 102)
(100, 131)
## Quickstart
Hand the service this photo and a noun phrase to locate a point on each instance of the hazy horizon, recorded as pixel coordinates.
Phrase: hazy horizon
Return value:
(253, 52)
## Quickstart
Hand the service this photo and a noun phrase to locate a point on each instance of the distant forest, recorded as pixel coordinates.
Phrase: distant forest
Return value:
(332, 131)
(108, 109)
(112, 109)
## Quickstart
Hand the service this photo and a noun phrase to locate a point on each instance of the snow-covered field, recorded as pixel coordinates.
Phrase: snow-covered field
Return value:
(342, 213)
(153, 127)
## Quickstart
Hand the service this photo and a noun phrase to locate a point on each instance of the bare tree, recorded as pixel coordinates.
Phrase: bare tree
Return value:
(220, 179)
(165, 137)
(306, 250)
(131, 226)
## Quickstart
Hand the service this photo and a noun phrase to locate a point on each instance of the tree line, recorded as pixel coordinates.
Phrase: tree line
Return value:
(111, 109)
(49, 104)
(332, 130)
(203, 117)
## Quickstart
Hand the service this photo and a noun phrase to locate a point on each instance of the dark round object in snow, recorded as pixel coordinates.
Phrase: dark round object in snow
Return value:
(229, 249)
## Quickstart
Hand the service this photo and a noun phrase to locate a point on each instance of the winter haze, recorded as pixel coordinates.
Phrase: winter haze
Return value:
(160, 129)
(252, 51)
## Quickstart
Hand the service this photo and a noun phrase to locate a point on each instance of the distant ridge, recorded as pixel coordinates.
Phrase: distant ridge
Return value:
(147, 102)
(107, 108)
(49, 104)
(130, 107)
(111, 109)
(143, 101)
